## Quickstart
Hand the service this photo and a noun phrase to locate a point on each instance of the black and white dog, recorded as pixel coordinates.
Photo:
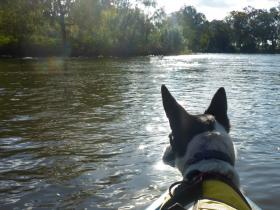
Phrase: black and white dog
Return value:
(200, 145)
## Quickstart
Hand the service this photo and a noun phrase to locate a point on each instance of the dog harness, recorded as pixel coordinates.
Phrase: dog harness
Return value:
(209, 191)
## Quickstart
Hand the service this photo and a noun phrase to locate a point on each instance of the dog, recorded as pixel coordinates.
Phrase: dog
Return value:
(202, 150)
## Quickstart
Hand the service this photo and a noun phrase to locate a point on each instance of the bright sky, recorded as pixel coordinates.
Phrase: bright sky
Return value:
(216, 9)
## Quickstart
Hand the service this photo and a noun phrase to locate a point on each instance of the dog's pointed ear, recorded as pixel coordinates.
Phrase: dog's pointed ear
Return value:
(175, 113)
(218, 108)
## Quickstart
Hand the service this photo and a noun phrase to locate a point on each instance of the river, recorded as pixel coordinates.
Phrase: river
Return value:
(89, 133)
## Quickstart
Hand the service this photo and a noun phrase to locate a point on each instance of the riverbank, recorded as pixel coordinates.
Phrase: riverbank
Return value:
(95, 28)
(133, 55)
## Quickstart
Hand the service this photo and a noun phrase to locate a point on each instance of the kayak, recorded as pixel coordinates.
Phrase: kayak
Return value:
(157, 204)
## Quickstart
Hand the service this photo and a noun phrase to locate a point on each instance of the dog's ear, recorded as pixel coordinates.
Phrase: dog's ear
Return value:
(177, 116)
(174, 111)
(218, 108)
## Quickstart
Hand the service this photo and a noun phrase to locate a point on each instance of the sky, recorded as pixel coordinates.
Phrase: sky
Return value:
(216, 9)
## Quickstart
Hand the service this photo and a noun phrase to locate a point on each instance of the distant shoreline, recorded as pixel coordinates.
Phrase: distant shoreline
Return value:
(130, 56)
(105, 29)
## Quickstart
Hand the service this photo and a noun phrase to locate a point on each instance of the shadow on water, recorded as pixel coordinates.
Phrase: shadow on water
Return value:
(82, 133)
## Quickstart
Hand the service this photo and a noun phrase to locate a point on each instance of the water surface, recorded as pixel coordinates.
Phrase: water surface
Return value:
(83, 133)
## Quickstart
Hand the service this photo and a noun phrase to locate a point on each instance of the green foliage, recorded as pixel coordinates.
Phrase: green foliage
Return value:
(255, 30)
(192, 24)
(219, 37)
(120, 28)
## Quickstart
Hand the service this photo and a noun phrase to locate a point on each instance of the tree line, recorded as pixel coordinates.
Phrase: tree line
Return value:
(122, 28)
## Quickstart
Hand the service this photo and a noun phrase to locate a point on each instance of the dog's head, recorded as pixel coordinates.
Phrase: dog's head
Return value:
(196, 138)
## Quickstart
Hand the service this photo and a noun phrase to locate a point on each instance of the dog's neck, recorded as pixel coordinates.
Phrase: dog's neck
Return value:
(211, 166)
(209, 152)
(215, 165)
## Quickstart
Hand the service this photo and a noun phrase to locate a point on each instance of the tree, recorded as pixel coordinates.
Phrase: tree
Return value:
(20, 24)
(192, 24)
(255, 29)
(59, 10)
(219, 37)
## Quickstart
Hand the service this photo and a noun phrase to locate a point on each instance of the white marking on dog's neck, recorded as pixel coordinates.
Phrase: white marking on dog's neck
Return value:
(219, 128)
